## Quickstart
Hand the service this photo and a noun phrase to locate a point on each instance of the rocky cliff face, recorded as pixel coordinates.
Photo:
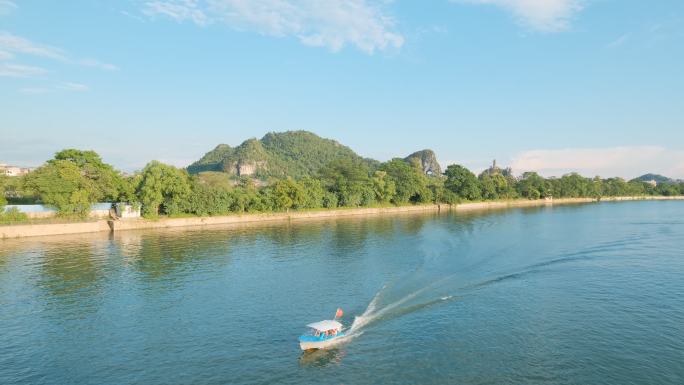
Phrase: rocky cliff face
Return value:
(426, 160)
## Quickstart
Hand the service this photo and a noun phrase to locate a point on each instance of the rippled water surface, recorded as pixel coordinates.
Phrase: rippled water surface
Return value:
(590, 294)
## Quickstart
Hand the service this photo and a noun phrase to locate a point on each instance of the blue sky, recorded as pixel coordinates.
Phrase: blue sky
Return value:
(594, 86)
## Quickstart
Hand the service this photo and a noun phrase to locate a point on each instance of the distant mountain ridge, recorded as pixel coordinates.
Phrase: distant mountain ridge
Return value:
(277, 154)
(657, 178)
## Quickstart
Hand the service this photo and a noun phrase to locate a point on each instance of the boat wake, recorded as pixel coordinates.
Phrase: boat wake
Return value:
(432, 284)
(407, 304)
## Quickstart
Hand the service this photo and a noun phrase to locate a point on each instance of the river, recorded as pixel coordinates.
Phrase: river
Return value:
(581, 294)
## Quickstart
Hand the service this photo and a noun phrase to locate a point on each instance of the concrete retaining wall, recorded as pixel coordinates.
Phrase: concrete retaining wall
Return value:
(39, 230)
(271, 217)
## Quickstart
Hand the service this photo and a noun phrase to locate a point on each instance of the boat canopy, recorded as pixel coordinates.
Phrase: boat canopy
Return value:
(325, 325)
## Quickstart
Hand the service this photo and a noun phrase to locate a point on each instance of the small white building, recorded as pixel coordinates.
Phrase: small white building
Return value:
(125, 211)
(9, 170)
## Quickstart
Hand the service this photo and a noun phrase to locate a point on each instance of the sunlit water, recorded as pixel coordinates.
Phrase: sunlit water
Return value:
(590, 294)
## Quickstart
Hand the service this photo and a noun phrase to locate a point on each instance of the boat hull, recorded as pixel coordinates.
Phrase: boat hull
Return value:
(314, 343)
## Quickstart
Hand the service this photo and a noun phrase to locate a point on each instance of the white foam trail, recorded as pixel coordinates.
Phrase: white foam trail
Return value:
(363, 319)
(371, 315)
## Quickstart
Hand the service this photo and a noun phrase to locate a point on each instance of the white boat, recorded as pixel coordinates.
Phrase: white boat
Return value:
(323, 334)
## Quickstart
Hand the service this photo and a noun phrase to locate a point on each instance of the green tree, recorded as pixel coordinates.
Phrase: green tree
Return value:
(533, 186)
(330, 200)
(14, 190)
(74, 180)
(163, 188)
(597, 187)
(348, 179)
(207, 200)
(488, 186)
(313, 191)
(384, 187)
(574, 185)
(109, 182)
(504, 185)
(62, 184)
(615, 187)
(411, 184)
(667, 189)
(3, 201)
(288, 194)
(462, 182)
(439, 193)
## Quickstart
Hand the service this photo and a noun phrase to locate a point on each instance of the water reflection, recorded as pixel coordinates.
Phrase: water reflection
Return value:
(322, 357)
(70, 268)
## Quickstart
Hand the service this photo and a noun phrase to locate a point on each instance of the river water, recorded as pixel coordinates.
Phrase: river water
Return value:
(582, 294)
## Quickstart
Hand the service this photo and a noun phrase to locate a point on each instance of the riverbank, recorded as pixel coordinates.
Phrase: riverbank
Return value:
(38, 230)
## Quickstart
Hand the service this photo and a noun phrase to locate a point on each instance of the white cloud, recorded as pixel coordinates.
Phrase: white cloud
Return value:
(7, 7)
(178, 10)
(322, 23)
(627, 162)
(541, 15)
(97, 64)
(10, 43)
(78, 87)
(20, 71)
(4, 55)
(17, 44)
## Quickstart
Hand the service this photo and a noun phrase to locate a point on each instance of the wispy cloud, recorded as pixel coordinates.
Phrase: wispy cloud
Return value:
(178, 10)
(17, 44)
(541, 15)
(78, 87)
(627, 161)
(20, 71)
(53, 88)
(332, 24)
(7, 7)
(619, 41)
(97, 64)
(4, 55)
(11, 44)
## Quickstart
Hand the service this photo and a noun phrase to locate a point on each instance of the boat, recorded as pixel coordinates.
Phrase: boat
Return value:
(322, 334)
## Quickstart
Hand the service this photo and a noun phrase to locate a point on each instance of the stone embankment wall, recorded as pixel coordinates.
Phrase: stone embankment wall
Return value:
(270, 217)
(29, 230)
(39, 230)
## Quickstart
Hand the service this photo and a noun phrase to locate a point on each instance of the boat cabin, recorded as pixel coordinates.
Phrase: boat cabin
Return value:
(324, 330)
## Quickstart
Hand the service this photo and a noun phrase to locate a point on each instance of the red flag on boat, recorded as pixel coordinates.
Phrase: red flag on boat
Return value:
(339, 313)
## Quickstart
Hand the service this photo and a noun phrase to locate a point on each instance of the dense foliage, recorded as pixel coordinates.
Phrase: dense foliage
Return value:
(3, 200)
(163, 189)
(74, 180)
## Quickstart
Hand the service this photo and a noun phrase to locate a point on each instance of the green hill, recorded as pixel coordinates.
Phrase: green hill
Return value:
(654, 177)
(292, 153)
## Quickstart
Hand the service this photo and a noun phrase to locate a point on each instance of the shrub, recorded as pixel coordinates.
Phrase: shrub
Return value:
(13, 215)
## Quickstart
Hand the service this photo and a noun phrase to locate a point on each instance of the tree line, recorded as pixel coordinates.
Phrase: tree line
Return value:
(73, 180)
